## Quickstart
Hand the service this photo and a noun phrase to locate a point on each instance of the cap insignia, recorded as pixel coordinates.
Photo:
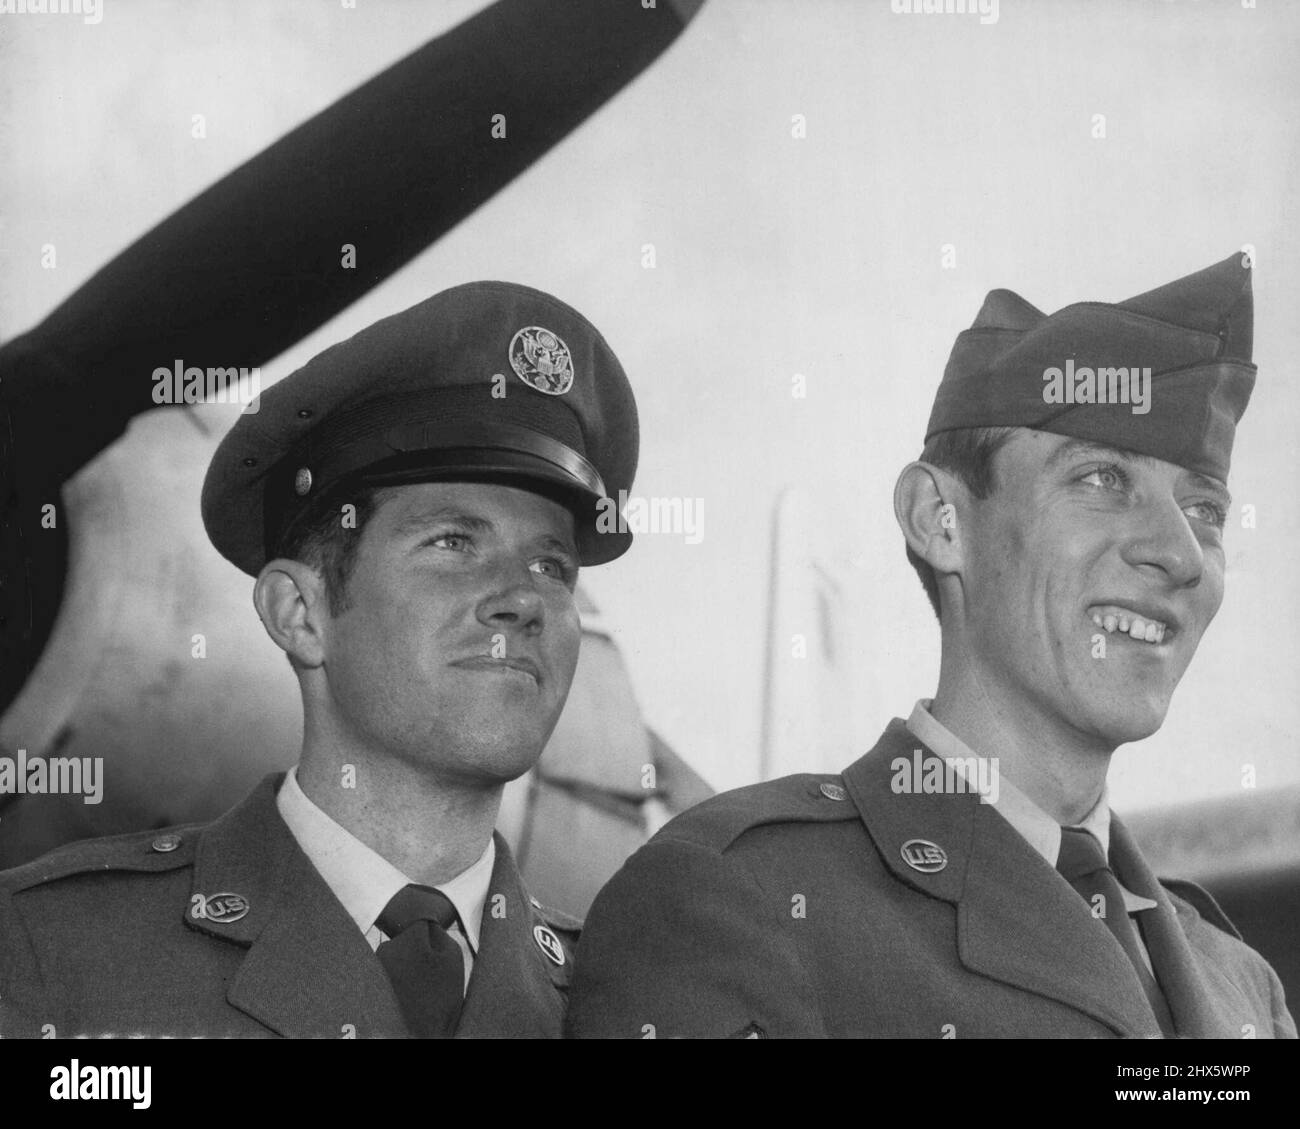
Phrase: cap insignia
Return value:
(542, 360)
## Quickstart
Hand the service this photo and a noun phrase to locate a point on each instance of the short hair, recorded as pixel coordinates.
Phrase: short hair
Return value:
(967, 453)
(320, 537)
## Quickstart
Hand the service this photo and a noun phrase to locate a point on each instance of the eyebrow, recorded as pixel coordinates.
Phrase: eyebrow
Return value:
(1211, 485)
(419, 522)
(1076, 447)
(568, 548)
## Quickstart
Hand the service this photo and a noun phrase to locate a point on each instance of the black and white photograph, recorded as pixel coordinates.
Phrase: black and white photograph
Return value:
(649, 519)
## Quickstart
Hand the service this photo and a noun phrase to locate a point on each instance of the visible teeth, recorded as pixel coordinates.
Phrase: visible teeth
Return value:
(1134, 626)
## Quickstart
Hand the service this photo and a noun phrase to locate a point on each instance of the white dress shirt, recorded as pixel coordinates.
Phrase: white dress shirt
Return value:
(1035, 826)
(364, 881)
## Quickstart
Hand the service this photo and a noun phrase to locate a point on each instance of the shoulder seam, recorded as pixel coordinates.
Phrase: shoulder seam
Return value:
(718, 822)
(98, 856)
(558, 919)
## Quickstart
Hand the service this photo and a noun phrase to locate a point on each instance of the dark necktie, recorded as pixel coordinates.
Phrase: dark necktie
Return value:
(424, 964)
(1083, 864)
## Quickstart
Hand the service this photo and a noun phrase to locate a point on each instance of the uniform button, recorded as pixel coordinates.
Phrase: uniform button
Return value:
(165, 843)
(833, 791)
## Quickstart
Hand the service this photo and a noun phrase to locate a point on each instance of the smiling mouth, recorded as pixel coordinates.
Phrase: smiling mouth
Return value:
(501, 666)
(1138, 626)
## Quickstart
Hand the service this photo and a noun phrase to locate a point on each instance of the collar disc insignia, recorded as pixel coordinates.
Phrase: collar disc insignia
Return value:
(549, 943)
(924, 856)
(222, 909)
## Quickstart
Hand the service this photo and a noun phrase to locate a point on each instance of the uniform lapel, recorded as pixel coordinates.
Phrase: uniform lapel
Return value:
(1186, 990)
(1022, 923)
(309, 971)
(1018, 921)
(515, 992)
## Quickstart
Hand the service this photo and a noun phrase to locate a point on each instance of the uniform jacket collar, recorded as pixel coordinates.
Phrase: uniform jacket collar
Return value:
(515, 991)
(309, 971)
(992, 873)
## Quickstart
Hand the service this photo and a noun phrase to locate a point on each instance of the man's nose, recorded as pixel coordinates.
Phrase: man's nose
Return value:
(513, 601)
(1164, 540)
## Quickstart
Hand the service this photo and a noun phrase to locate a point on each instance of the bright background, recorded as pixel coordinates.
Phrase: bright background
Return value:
(775, 256)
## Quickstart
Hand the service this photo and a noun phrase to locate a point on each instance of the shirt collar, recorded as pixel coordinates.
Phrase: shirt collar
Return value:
(468, 891)
(361, 878)
(1035, 826)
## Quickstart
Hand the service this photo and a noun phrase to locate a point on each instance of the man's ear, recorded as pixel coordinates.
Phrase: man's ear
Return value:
(925, 505)
(291, 603)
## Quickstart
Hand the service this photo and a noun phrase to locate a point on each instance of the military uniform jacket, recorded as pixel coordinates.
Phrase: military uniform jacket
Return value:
(107, 937)
(788, 909)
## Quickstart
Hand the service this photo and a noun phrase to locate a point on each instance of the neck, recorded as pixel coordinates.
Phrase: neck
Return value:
(1060, 769)
(430, 828)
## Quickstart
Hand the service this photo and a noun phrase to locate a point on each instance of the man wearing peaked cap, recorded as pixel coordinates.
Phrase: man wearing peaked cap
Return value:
(462, 386)
(966, 877)
(414, 503)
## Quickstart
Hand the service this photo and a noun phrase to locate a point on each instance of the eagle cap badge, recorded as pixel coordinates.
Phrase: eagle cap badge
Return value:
(542, 360)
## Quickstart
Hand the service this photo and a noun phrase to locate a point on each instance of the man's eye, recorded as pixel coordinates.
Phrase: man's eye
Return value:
(550, 566)
(1107, 478)
(456, 542)
(1211, 513)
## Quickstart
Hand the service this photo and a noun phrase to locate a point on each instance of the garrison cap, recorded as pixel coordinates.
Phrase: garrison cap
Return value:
(489, 381)
(1165, 374)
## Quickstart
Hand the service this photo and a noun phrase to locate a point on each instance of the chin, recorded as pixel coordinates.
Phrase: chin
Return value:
(1130, 721)
(503, 767)
(496, 755)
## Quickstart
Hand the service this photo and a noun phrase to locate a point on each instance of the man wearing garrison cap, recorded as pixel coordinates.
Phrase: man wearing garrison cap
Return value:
(414, 504)
(966, 878)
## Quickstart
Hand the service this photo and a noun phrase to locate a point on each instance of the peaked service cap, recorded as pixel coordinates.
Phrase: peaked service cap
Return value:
(489, 381)
(1193, 334)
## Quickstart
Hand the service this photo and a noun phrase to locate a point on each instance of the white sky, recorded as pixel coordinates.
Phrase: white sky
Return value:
(775, 256)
